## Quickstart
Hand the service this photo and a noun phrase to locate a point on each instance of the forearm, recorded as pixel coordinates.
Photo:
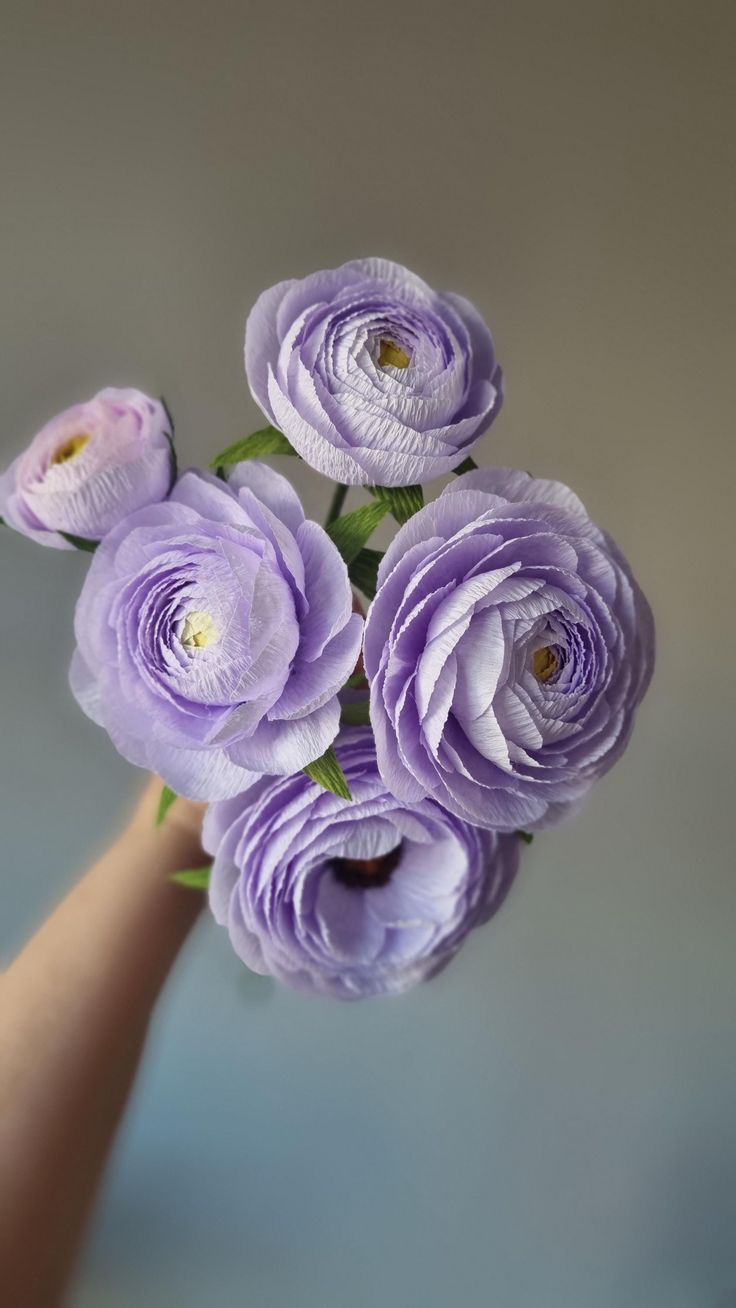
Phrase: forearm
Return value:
(74, 1010)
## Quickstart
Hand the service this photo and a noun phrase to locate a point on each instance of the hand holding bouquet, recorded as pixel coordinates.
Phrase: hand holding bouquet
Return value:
(370, 781)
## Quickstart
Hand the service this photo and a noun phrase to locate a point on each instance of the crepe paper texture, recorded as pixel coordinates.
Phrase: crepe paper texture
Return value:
(88, 468)
(372, 376)
(350, 899)
(507, 648)
(373, 766)
(214, 632)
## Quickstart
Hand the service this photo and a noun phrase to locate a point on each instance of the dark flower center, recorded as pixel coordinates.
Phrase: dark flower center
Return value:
(545, 663)
(392, 355)
(363, 873)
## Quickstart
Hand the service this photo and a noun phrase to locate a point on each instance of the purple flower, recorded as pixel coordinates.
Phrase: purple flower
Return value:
(214, 632)
(88, 468)
(350, 899)
(372, 375)
(508, 647)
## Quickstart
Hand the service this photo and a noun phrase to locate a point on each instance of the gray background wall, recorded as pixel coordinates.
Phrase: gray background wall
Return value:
(551, 1123)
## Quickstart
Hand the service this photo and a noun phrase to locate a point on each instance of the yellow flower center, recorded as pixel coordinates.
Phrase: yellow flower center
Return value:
(545, 663)
(392, 355)
(71, 448)
(199, 631)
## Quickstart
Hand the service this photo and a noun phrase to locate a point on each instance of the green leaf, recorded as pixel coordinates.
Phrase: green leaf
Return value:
(351, 532)
(358, 681)
(467, 465)
(336, 503)
(196, 878)
(266, 441)
(170, 439)
(164, 804)
(526, 836)
(403, 501)
(356, 714)
(79, 542)
(363, 571)
(167, 411)
(173, 461)
(326, 771)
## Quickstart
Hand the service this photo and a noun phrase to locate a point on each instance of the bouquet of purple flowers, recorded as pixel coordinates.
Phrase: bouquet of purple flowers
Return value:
(371, 768)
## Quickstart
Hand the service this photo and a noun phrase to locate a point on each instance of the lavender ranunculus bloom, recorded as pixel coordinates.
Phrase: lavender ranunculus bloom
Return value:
(508, 647)
(89, 467)
(350, 899)
(214, 632)
(372, 375)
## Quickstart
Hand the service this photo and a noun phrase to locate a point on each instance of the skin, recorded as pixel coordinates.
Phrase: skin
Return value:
(74, 1012)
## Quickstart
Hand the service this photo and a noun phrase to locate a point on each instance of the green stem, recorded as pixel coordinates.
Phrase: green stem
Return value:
(338, 499)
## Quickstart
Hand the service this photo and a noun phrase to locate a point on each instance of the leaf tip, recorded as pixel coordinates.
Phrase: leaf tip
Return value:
(327, 772)
(195, 878)
(164, 804)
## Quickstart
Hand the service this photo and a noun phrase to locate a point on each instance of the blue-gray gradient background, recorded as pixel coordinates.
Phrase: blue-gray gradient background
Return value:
(551, 1123)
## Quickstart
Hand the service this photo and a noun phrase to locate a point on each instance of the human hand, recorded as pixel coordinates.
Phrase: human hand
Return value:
(74, 1012)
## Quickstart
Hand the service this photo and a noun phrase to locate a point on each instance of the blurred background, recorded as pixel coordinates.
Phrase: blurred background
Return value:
(550, 1124)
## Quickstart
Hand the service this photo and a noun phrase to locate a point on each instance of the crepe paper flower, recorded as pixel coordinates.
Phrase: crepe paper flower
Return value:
(88, 468)
(508, 647)
(350, 899)
(214, 632)
(372, 375)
